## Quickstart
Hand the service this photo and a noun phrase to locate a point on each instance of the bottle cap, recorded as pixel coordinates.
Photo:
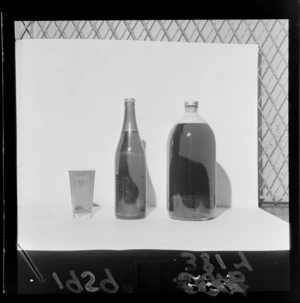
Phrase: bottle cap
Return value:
(191, 103)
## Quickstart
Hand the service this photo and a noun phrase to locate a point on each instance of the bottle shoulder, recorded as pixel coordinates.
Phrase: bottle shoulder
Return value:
(189, 132)
(191, 118)
(191, 127)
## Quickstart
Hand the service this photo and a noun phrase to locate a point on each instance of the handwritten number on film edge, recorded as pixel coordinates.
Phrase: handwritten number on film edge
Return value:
(88, 285)
(232, 283)
(191, 261)
(108, 285)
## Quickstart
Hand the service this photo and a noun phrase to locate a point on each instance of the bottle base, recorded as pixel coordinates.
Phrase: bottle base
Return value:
(82, 213)
(124, 217)
(190, 219)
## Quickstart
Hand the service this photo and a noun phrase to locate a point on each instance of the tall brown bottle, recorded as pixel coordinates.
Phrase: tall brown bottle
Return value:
(130, 169)
(191, 166)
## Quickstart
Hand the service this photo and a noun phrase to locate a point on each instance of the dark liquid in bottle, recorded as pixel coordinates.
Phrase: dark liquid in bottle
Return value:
(191, 188)
(130, 178)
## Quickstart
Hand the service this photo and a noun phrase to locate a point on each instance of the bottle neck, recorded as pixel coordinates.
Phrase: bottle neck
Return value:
(129, 123)
(191, 108)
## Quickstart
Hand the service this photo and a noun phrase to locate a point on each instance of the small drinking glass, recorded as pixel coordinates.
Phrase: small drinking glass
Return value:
(82, 192)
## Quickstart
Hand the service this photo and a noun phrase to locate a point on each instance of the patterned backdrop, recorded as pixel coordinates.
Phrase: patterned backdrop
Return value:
(271, 36)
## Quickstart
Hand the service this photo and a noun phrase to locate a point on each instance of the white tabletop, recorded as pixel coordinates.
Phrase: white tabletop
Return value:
(48, 228)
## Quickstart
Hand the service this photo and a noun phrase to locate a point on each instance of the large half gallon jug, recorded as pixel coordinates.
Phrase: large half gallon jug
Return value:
(191, 168)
